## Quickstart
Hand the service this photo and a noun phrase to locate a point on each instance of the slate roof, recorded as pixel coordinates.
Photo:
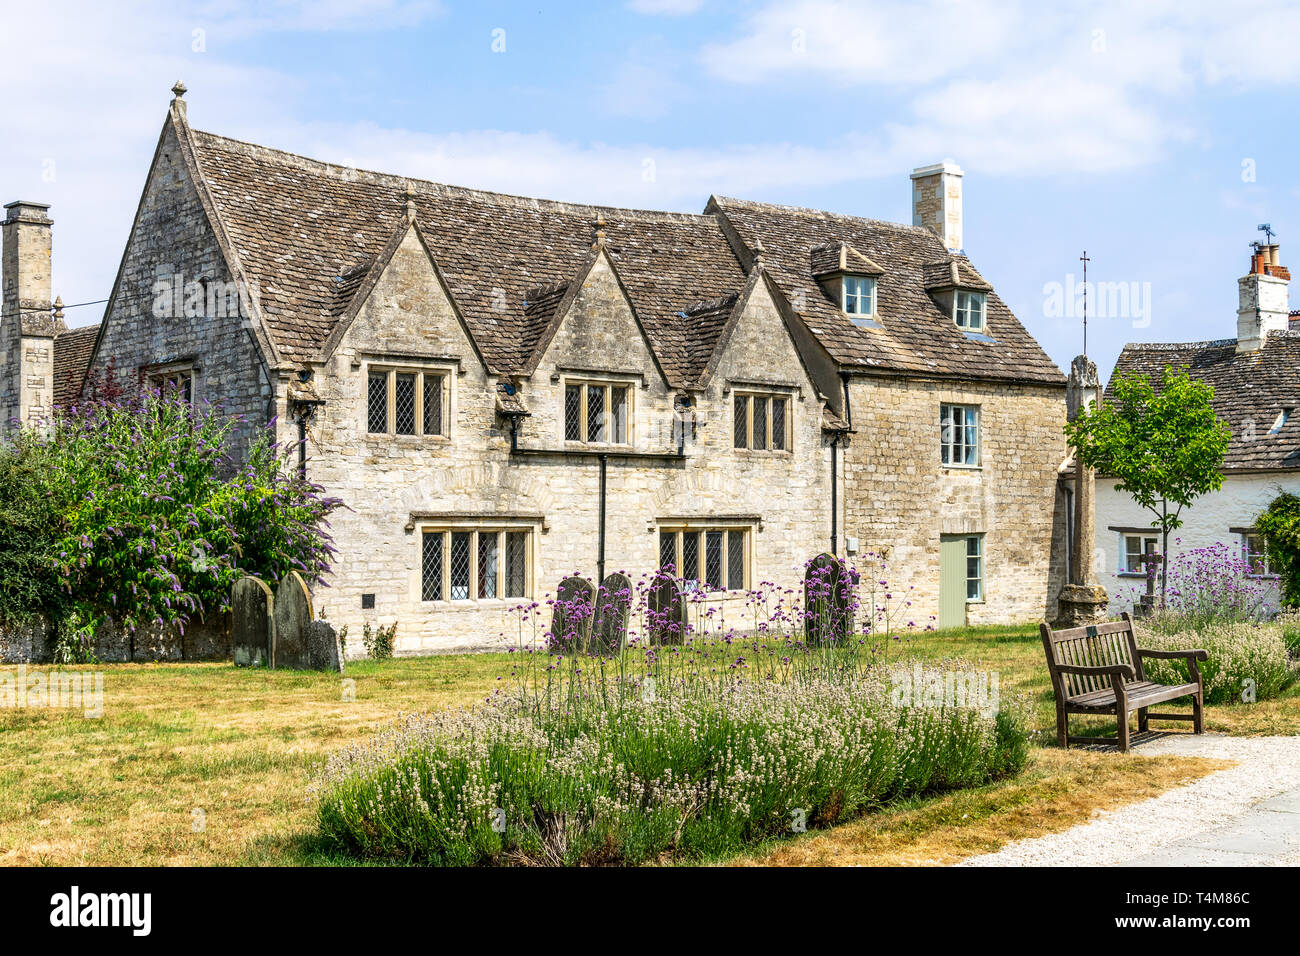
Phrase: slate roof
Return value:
(72, 351)
(307, 234)
(916, 334)
(1250, 390)
(296, 225)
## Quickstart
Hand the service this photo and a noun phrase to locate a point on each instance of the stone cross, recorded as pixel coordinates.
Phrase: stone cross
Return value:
(1082, 600)
(1151, 565)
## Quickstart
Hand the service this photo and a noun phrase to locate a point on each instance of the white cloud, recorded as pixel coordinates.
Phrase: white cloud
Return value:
(1016, 87)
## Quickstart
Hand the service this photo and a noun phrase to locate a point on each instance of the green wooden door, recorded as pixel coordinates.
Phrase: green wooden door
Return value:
(952, 581)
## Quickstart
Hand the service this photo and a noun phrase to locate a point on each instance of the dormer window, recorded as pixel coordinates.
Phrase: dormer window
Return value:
(859, 297)
(968, 310)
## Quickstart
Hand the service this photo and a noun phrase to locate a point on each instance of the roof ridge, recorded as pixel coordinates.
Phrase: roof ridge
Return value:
(1179, 346)
(825, 213)
(385, 179)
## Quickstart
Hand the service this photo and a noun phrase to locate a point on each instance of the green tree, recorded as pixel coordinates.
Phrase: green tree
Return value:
(1280, 526)
(1164, 444)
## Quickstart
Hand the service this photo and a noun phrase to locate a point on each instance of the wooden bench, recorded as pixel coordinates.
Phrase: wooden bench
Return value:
(1098, 670)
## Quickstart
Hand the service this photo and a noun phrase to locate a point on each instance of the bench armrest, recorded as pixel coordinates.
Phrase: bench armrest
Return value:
(1198, 655)
(1108, 670)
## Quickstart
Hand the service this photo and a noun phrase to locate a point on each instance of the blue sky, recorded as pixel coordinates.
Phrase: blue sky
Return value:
(1156, 136)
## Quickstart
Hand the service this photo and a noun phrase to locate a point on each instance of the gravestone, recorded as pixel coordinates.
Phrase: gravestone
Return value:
(829, 592)
(613, 605)
(571, 613)
(292, 615)
(667, 611)
(251, 622)
(324, 649)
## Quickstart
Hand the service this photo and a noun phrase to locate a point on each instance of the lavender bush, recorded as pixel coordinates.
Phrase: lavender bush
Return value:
(627, 771)
(1247, 661)
(736, 730)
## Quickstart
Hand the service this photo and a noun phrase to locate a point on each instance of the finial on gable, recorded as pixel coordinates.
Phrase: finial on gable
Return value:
(178, 103)
(410, 202)
(600, 230)
(759, 252)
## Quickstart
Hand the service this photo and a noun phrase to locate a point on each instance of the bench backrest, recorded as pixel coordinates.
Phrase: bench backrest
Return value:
(1095, 645)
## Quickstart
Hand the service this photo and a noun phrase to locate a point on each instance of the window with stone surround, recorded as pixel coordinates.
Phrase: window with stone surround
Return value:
(713, 558)
(959, 435)
(172, 381)
(597, 413)
(968, 310)
(403, 401)
(470, 563)
(761, 421)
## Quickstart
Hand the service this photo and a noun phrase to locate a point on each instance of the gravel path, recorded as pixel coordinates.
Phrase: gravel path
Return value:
(1248, 815)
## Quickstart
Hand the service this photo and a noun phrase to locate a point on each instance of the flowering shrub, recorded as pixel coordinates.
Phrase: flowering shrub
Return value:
(838, 605)
(1246, 661)
(152, 521)
(595, 768)
(1210, 586)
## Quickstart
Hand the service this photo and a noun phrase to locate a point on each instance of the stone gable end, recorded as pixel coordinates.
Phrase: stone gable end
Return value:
(408, 310)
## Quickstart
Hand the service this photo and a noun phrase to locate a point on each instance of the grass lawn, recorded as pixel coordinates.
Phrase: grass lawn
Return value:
(206, 764)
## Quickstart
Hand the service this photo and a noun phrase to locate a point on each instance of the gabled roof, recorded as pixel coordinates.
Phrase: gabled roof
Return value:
(310, 237)
(917, 336)
(298, 225)
(838, 257)
(72, 352)
(952, 273)
(1251, 391)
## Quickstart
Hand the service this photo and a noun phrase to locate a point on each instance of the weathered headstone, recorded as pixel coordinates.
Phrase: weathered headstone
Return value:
(252, 607)
(613, 604)
(571, 613)
(324, 649)
(291, 614)
(667, 611)
(830, 592)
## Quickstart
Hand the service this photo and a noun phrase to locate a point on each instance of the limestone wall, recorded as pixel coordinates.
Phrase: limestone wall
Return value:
(173, 242)
(899, 495)
(395, 485)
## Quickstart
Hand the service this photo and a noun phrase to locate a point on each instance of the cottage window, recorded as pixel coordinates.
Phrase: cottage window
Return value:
(968, 310)
(761, 422)
(1135, 546)
(1255, 553)
(597, 413)
(859, 296)
(406, 402)
(959, 435)
(708, 558)
(474, 564)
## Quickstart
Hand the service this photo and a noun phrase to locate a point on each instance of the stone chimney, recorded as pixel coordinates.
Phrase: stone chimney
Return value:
(936, 202)
(1262, 299)
(27, 328)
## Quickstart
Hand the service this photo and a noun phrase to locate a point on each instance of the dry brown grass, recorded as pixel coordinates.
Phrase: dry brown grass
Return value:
(239, 745)
(1058, 790)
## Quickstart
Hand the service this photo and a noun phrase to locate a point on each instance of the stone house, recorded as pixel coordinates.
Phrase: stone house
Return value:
(1256, 380)
(508, 390)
